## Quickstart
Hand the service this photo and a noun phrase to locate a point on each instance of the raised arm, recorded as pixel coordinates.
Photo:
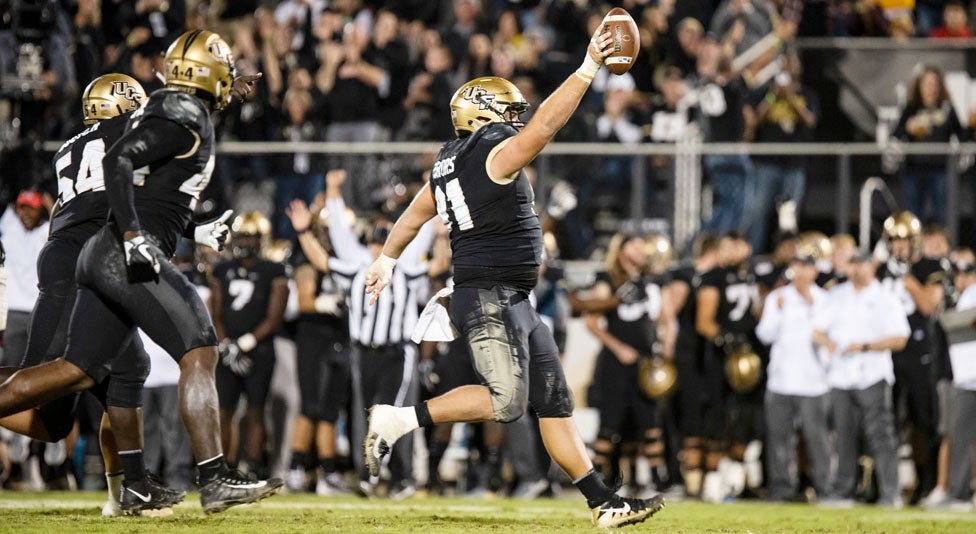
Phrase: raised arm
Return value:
(301, 221)
(513, 154)
(420, 210)
(344, 241)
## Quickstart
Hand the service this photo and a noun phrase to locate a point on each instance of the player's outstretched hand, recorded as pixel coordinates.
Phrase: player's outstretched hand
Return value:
(601, 45)
(378, 276)
(243, 85)
(141, 264)
(213, 233)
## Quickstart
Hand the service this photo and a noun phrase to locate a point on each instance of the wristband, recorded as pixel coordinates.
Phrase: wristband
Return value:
(588, 69)
(387, 261)
(247, 342)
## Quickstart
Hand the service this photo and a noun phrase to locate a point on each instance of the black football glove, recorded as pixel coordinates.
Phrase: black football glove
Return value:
(141, 264)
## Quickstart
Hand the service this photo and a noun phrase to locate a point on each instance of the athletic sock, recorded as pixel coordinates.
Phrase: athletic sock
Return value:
(210, 469)
(592, 487)
(328, 465)
(436, 452)
(298, 460)
(114, 483)
(133, 466)
(423, 415)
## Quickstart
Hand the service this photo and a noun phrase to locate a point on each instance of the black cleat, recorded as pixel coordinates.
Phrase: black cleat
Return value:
(233, 488)
(620, 511)
(148, 494)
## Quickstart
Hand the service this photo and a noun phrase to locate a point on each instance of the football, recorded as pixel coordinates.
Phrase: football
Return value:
(626, 40)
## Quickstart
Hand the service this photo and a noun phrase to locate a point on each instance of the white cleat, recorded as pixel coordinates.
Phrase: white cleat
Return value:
(385, 428)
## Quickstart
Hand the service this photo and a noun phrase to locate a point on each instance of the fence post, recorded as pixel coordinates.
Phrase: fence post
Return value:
(638, 181)
(952, 197)
(842, 222)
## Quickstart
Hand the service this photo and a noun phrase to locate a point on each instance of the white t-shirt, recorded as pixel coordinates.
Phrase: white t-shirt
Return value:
(854, 317)
(794, 367)
(22, 247)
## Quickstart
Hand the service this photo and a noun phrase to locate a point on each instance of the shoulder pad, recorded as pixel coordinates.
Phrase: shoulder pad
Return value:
(177, 106)
(498, 131)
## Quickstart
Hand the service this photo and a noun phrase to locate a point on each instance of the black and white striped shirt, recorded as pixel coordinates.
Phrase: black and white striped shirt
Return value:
(392, 318)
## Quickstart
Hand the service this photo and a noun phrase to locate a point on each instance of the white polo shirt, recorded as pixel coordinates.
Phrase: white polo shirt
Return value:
(794, 367)
(22, 247)
(852, 317)
(962, 356)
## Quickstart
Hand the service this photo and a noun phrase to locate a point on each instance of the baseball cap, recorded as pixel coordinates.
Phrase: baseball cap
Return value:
(30, 198)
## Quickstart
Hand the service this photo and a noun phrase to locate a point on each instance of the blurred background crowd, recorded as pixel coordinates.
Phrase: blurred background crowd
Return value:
(717, 71)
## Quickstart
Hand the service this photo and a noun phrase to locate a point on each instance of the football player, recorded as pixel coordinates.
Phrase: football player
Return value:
(479, 189)
(916, 282)
(81, 211)
(248, 298)
(689, 358)
(629, 334)
(154, 175)
(322, 341)
(726, 316)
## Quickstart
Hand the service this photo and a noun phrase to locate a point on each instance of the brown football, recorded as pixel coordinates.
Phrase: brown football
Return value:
(626, 40)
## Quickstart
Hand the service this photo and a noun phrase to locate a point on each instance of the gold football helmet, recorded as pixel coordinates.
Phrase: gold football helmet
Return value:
(201, 60)
(743, 369)
(657, 376)
(902, 225)
(485, 100)
(252, 223)
(658, 250)
(815, 245)
(109, 96)
(251, 235)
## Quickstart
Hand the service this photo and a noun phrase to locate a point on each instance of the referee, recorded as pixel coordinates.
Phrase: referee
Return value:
(383, 359)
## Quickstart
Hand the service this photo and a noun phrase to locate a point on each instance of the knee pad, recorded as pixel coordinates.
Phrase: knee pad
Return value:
(508, 406)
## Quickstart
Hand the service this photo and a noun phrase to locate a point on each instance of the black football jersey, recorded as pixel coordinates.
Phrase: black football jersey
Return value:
(738, 297)
(83, 206)
(686, 315)
(493, 227)
(635, 323)
(167, 191)
(767, 274)
(926, 271)
(245, 293)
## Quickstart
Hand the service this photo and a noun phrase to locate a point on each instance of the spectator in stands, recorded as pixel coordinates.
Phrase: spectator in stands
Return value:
(929, 15)
(726, 117)
(478, 61)
(929, 117)
(690, 35)
(298, 175)
(955, 23)
(394, 57)
(466, 21)
(739, 24)
(787, 114)
(429, 97)
(858, 327)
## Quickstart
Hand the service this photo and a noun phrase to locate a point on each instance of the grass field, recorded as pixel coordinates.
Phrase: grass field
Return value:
(79, 512)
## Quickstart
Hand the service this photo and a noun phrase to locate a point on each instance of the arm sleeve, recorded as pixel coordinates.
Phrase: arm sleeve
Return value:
(344, 241)
(152, 140)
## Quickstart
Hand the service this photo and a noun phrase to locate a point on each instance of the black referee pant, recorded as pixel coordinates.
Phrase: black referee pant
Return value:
(382, 375)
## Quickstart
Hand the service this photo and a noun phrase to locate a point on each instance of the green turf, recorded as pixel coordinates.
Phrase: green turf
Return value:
(80, 512)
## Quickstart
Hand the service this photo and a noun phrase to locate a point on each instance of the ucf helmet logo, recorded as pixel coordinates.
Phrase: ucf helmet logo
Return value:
(126, 91)
(479, 95)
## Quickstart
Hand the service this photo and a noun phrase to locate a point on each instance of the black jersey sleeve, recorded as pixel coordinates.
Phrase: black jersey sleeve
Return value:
(152, 140)
(181, 108)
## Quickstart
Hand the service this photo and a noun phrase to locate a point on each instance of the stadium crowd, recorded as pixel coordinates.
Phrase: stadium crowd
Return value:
(708, 367)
